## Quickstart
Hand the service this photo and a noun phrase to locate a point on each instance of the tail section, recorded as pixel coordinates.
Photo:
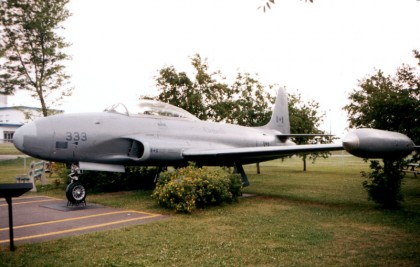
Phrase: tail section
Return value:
(280, 117)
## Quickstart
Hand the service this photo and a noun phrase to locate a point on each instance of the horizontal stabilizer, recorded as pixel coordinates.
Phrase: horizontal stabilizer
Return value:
(90, 166)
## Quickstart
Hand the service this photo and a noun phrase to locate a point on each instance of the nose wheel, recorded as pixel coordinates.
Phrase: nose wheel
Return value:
(75, 191)
(76, 194)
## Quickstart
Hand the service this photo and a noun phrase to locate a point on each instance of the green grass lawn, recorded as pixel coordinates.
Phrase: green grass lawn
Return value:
(9, 169)
(9, 149)
(316, 218)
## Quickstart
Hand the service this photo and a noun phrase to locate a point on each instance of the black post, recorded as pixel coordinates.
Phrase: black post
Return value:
(8, 191)
(9, 203)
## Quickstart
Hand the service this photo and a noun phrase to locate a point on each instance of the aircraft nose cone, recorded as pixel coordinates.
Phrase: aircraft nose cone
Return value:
(351, 142)
(19, 136)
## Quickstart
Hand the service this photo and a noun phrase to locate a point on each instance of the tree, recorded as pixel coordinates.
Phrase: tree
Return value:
(389, 103)
(250, 102)
(31, 50)
(305, 119)
(209, 97)
(203, 96)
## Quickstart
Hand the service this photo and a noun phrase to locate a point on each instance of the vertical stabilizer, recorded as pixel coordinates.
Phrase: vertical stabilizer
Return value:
(280, 117)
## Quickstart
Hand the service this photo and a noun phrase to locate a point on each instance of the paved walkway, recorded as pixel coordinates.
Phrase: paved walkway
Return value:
(41, 218)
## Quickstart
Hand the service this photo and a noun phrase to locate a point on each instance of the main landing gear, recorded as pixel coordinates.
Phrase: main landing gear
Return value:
(239, 169)
(75, 191)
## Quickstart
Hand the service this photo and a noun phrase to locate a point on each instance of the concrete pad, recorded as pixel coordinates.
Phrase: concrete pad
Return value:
(63, 206)
(41, 218)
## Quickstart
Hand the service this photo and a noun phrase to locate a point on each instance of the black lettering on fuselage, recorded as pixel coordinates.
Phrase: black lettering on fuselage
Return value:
(76, 136)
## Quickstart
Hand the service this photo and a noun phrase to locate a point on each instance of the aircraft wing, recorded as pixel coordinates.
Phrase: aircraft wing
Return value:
(254, 154)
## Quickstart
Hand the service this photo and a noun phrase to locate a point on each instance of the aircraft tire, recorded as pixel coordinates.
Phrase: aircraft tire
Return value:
(76, 193)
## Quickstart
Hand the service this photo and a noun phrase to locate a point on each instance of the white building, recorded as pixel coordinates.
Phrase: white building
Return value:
(12, 118)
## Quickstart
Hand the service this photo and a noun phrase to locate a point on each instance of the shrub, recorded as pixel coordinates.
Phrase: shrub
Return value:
(384, 184)
(189, 188)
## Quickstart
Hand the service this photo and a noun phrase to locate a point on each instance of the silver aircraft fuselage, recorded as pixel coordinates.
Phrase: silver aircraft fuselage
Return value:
(113, 138)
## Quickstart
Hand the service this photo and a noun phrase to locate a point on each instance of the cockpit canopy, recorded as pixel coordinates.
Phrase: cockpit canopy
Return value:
(151, 108)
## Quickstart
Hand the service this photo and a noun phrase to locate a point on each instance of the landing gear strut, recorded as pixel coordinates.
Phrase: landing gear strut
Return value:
(75, 191)
(239, 169)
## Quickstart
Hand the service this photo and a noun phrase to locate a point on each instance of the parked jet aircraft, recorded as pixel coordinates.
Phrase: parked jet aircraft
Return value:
(159, 134)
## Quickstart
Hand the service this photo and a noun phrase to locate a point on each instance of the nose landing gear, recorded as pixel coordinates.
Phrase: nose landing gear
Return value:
(75, 191)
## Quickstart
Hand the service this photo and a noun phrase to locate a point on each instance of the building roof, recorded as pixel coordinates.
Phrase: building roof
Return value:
(10, 125)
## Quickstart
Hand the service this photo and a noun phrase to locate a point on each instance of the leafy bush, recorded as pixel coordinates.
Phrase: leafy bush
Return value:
(384, 184)
(189, 188)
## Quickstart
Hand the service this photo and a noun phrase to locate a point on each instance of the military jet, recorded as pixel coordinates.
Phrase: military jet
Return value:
(159, 134)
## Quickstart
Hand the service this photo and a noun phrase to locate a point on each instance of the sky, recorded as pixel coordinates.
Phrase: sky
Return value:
(320, 49)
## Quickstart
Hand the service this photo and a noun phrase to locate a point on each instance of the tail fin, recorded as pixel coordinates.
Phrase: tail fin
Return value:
(280, 117)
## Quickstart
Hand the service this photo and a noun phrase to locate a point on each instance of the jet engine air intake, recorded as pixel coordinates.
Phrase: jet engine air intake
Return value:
(138, 151)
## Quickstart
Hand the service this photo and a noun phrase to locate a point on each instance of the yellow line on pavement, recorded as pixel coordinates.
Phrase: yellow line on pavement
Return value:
(80, 228)
(77, 218)
(30, 197)
(28, 202)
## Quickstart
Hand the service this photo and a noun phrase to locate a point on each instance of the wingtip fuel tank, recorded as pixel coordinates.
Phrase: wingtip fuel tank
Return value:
(373, 143)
